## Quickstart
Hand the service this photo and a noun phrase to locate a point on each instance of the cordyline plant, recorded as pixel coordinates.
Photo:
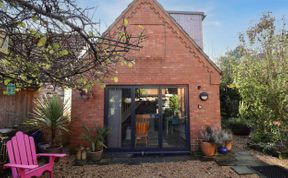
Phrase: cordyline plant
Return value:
(55, 41)
(96, 137)
(50, 114)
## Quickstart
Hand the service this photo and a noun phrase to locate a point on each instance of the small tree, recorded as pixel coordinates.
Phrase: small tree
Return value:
(229, 95)
(57, 42)
(261, 78)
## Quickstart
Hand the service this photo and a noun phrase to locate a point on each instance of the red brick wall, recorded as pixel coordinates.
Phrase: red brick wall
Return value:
(169, 57)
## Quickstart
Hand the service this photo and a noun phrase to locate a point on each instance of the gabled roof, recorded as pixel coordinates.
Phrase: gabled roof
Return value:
(122, 15)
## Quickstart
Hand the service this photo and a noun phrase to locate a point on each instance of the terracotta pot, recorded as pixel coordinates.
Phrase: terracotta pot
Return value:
(229, 145)
(95, 156)
(208, 149)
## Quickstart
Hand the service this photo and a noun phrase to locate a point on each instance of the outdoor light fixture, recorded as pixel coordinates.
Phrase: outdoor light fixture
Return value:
(203, 96)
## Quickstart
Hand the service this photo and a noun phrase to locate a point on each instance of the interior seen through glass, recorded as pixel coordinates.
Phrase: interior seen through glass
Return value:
(138, 121)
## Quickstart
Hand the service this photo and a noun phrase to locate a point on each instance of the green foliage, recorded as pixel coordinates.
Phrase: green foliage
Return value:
(229, 95)
(50, 114)
(174, 104)
(261, 79)
(96, 137)
(235, 122)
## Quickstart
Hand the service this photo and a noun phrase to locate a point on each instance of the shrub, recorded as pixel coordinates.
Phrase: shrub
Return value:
(223, 136)
(209, 134)
(235, 122)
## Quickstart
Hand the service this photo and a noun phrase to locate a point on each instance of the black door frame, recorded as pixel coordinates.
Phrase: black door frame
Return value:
(160, 148)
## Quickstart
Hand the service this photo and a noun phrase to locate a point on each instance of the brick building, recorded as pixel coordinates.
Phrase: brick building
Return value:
(155, 106)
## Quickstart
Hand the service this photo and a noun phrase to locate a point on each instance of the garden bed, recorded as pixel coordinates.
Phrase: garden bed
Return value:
(269, 149)
(241, 143)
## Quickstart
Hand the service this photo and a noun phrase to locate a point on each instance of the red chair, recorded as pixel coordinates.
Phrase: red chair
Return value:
(23, 158)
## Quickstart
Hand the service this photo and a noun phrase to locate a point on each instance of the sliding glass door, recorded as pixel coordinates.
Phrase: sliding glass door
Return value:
(143, 118)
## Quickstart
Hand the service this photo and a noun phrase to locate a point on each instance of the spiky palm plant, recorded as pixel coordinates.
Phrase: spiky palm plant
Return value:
(96, 137)
(50, 114)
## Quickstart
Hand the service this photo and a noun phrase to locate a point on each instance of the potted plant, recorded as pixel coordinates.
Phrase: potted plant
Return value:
(228, 139)
(224, 141)
(96, 137)
(208, 146)
(50, 115)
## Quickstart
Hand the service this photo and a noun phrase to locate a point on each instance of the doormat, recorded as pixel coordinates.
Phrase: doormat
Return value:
(272, 171)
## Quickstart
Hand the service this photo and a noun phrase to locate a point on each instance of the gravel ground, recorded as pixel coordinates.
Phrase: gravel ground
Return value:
(175, 169)
(241, 143)
(180, 169)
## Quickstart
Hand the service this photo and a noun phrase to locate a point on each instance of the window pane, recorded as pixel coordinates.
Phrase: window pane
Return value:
(174, 117)
(119, 118)
(147, 118)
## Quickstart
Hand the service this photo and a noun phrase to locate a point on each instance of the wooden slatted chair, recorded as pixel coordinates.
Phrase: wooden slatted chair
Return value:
(23, 158)
(142, 127)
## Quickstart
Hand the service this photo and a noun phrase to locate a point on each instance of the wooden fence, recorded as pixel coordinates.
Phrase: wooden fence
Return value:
(15, 109)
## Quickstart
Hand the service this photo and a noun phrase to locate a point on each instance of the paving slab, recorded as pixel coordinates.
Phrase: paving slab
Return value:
(243, 170)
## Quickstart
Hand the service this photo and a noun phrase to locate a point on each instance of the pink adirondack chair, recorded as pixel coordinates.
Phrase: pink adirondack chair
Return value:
(23, 157)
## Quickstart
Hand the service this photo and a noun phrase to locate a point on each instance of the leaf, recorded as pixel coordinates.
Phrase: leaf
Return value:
(90, 33)
(141, 27)
(56, 46)
(47, 66)
(7, 81)
(22, 24)
(22, 77)
(34, 18)
(1, 4)
(42, 42)
(102, 85)
(125, 22)
(33, 32)
(64, 52)
(130, 65)
(115, 79)
(51, 51)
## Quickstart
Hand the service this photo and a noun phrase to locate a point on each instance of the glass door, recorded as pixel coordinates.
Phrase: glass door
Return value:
(119, 117)
(174, 114)
(147, 118)
(144, 118)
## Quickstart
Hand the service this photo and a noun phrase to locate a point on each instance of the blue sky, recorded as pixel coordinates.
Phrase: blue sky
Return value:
(225, 18)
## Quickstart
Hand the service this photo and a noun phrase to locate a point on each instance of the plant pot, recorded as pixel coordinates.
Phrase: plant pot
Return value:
(222, 150)
(228, 145)
(95, 156)
(208, 149)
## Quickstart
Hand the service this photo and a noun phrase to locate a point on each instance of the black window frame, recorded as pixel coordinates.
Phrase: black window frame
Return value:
(159, 149)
